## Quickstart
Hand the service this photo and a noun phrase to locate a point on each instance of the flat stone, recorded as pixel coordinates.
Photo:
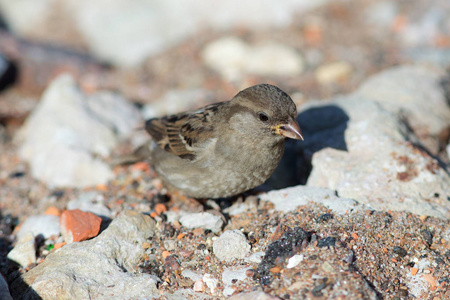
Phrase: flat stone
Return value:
(98, 268)
(202, 220)
(289, 199)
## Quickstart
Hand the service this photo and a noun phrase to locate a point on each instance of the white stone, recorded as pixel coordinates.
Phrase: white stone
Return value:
(210, 282)
(294, 261)
(46, 225)
(289, 199)
(194, 276)
(24, 253)
(231, 245)
(202, 220)
(68, 134)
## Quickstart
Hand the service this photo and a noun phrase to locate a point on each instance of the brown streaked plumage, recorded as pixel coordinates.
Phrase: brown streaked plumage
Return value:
(225, 148)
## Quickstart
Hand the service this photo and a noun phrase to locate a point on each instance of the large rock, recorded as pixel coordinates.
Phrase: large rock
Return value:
(68, 134)
(366, 155)
(414, 92)
(126, 32)
(101, 268)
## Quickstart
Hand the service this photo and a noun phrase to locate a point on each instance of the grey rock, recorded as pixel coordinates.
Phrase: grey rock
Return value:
(289, 199)
(231, 245)
(24, 252)
(46, 225)
(90, 202)
(104, 266)
(202, 220)
(415, 92)
(68, 134)
(369, 158)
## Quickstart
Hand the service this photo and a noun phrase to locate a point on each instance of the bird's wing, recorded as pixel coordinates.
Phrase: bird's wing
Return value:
(184, 134)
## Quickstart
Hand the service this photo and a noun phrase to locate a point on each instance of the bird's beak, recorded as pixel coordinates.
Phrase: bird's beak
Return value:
(290, 130)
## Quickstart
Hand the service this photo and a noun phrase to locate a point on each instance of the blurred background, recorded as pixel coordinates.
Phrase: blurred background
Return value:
(182, 54)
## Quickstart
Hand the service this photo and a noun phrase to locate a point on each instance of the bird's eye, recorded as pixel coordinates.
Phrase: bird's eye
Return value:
(263, 116)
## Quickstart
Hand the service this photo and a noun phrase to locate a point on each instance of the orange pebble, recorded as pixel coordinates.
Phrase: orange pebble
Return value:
(153, 215)
(165, 254)
(180, 236)
(414, 271)
(59, 245)
(431, 280)
(160, 208)
(102, 187)
(140, 166)
(275, 269)
(423, 218)
(355, 236)
(53, 210)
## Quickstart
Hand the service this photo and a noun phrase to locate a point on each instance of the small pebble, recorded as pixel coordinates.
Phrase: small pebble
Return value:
(399, 251)
(199, 286)
(231, 245)
(211, 282)
(24, 253)
(327, 242)
(427, 236)
(294, 261)
(333, 72)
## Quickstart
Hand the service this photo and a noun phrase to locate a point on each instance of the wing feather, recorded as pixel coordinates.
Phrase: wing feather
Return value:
(185, 133)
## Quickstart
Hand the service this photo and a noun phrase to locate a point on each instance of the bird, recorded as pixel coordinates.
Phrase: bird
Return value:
(226, 148)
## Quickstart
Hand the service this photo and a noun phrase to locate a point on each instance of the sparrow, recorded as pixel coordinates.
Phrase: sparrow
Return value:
(226, 148)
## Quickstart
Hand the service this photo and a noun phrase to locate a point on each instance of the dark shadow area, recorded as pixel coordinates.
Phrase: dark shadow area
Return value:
(8, 73)
(322, 127)
(3, 24)
(20, 290)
